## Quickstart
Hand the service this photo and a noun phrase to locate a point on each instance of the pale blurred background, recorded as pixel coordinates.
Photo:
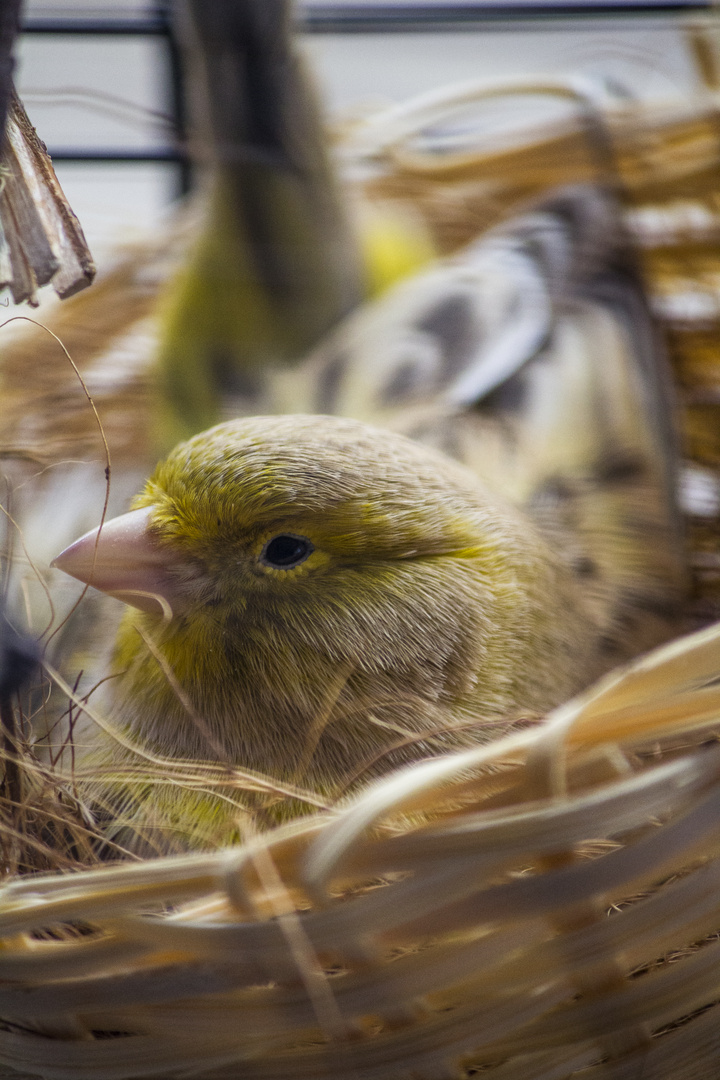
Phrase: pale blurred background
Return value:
(98, 93)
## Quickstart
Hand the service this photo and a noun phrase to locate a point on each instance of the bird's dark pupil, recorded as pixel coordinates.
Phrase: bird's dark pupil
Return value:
(287, 550)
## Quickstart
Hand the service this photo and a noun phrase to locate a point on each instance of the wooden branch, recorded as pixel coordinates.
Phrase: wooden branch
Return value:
(41, 240)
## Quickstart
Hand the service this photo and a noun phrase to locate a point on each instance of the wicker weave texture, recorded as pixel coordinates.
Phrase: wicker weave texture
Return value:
(546, 904)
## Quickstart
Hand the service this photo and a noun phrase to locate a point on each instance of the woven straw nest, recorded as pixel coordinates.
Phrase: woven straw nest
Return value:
(539, 907)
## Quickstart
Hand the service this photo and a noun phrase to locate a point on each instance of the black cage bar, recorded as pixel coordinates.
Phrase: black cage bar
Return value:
(334, 19)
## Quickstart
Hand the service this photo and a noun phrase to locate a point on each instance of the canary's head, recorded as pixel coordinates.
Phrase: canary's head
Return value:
(307, 583)
(269, 510)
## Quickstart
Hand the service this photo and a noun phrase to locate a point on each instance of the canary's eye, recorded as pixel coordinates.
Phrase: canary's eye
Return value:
(285, 551)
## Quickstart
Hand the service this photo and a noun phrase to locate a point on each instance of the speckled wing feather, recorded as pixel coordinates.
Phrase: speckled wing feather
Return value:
(532, 357)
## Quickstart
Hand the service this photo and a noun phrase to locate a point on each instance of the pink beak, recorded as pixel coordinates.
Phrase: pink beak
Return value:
(121, 559)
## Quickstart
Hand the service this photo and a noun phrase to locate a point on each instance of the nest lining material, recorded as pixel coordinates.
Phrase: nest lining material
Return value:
(542, 905)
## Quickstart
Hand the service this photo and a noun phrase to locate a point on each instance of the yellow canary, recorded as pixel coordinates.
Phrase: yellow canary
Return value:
(300, 571)
(315, 598)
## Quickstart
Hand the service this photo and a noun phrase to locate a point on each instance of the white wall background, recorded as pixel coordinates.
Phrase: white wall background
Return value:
(102, 92)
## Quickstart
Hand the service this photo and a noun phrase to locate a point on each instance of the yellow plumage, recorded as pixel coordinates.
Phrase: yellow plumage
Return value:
(427, 610)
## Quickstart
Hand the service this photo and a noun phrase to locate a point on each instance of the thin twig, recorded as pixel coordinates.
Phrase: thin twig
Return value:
(13, 774)
(106, 448)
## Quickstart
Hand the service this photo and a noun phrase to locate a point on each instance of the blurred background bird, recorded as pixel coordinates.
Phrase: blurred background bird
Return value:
(530, 358)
